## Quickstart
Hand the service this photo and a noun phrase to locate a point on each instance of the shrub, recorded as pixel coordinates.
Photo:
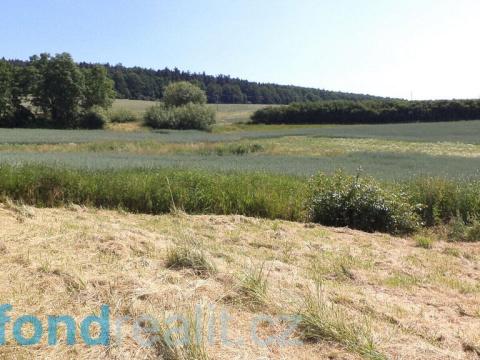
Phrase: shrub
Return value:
(159, 117)
(182, 93)
(439, 200)
(194, 116)
(461, 232)
(190, 116)
(23, 118)
(122, 116)
(92, 119)
(360, 203)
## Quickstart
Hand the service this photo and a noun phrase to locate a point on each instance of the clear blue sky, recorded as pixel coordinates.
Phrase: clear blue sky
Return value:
(381, 47)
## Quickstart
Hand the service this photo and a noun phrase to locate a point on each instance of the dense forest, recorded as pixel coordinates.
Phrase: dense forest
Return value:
(147, 84)
(369, 112)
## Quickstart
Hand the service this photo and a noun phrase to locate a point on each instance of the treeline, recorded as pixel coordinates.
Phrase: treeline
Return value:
(53, 92)
(369, 112)
(148, 84)
(138, 83)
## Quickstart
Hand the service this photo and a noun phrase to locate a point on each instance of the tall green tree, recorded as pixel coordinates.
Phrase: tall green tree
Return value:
(6, 87)
(98, 88)
(232, 94)
(214, 93)
(58, 89)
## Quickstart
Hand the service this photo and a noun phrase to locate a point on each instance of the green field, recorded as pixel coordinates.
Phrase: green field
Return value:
(390, 152)
(241, 168)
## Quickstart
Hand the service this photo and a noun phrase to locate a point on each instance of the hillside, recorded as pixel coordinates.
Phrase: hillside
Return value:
(379, 296)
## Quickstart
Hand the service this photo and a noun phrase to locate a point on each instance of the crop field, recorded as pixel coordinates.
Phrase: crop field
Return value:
(387, 152)
(384, 166)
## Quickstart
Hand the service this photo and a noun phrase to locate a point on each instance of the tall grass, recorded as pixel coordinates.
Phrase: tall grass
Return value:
(155, 191)
(335, 200)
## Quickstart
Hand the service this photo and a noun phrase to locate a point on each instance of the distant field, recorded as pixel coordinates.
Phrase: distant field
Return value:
(385, 166)
(466, 132)
(454, 131)
(226, 113)
(385, 151)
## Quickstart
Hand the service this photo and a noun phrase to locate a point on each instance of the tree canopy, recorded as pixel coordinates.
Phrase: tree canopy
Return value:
(182, 93)
(52, 91)
(369, 112)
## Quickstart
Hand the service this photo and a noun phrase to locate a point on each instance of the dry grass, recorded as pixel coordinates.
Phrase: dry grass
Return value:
(381, 295)
(325, 321)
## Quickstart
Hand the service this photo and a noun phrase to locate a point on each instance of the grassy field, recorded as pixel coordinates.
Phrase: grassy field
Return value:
(391, 152)
(360, 296)
(226, 113)
(155, 223)
(384, 166)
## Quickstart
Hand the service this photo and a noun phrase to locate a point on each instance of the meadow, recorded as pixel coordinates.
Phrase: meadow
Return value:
(157, 222)
(227, 113)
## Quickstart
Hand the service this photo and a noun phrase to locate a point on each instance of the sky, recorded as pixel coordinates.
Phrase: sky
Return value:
(419, 49)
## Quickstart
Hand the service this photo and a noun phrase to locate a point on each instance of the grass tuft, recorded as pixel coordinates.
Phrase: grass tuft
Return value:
(190, 256)
(424, 242)
(253, 286)
(324, 321)
(190, 345)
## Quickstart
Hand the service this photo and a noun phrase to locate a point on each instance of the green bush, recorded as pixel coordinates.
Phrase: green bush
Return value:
(190, 116)
(122, 116)
(92, 119)
(159, 117)
(194, 116)
(439, 200)
(360, 203)
(24, 118)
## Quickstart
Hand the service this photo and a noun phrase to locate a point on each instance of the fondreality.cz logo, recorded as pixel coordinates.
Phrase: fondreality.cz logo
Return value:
(176, 329)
